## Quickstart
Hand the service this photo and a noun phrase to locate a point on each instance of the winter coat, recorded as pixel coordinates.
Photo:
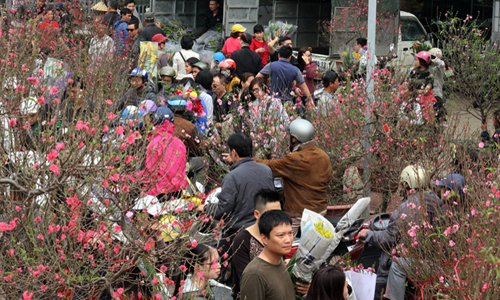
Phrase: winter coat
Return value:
(133, 97)
(239, 188)
(165, 169)
(389, 238)
(306, 174)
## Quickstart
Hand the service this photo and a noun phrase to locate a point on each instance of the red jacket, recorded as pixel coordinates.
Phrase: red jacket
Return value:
(165, 170)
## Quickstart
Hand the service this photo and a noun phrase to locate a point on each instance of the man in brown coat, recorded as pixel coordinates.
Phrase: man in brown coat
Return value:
(306, 173)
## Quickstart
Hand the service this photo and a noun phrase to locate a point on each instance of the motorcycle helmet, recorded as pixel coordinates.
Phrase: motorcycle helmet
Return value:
(227, 63)
(138, 72)
(201, 65)
(177, 103)
(162, 114)
(425, 56)
(168, 71)
(302, 130)
(147, 106)
(415, 177)
(436, 52)
(131, 112)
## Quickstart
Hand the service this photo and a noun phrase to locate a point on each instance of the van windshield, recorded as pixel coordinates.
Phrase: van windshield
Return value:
(411, 31)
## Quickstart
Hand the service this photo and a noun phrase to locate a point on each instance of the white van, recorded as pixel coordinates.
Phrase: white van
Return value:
(411, 32)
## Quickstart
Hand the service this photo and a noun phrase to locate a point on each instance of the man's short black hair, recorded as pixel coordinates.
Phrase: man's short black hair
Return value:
(258, 28)
(361, 41)
(265, 196)
(284, 39)
(271, 219)
(187, 42)
(216, 1)
(128, 2)
(240, 143)
(285, 52)
(125, 11)
(134, 22)
(113, 4)
(329, 77)
(222, 77)
(205, 78)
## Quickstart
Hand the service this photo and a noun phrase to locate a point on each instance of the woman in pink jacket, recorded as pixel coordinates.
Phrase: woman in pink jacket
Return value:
(165, 171)
(233, 42)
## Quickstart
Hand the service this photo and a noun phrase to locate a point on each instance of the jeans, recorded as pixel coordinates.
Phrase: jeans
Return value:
(396, 282)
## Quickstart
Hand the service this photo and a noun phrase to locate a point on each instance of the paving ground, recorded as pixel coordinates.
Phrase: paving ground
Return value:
(465, 119)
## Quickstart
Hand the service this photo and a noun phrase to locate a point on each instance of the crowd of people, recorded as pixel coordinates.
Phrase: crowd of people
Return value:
(257, 83)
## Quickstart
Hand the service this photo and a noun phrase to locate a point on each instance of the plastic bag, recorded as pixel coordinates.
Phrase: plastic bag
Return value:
(278, 29)
(207, 56)
(317, 235)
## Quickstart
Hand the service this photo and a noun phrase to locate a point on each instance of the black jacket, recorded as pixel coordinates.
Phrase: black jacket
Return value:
(246, 61)
(211, 21)
(150, 31)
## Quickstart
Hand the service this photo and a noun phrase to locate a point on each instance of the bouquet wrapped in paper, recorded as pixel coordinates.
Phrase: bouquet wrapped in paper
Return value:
(278, 29)
(319, 239)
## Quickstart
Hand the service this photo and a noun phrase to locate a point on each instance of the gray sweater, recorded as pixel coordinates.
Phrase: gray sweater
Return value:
(437, 70)
(239, 187)
(389, 238)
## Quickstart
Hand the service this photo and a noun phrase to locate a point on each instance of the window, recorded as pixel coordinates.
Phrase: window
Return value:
(411, 31)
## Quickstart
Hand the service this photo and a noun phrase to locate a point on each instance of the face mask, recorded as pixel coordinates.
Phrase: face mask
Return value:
(226, 73)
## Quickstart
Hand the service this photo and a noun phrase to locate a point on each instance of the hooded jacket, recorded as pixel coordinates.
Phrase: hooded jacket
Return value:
(389, 238)
(165, 170)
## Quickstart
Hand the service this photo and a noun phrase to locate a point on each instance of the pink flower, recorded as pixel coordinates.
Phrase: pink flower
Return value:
(111, 116)
(118, 228)
(79, 125)
(40, 72)
(183, 268)
(129, 214)
(60, 146)
(147, 247)
(109, 102)
(43, 288)
(40, 237)
(481, 145)
(27, 296)
(158, 296)
(41, 100)
(120, 130)
(119, 290)
(194, 244)
(105, 129)
(33, 80)
(55, 169)
(52, 155)
(189, 106)
(12, 122)
(452, 243)
(155, 281)
(53, 90)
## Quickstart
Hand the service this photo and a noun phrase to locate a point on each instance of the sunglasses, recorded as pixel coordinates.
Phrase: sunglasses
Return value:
(128, 29)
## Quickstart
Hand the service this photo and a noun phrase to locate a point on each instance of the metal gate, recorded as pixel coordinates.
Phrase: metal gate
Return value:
(243, 12)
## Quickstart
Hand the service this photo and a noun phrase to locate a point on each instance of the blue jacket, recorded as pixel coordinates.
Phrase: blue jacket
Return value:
(120, 34)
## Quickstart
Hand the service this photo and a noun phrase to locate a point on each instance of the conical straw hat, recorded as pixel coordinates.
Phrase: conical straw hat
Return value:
(100, 7)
